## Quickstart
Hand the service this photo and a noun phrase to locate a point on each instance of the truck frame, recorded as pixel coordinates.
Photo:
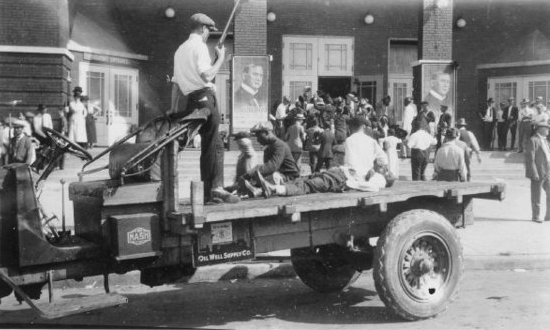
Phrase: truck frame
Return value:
(133, 222)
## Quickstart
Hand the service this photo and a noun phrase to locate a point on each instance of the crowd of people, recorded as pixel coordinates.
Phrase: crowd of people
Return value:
(23, 136)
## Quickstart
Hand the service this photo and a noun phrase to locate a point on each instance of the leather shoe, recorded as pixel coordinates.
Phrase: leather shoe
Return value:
(251, 190)
(538, 220)
(219, 193)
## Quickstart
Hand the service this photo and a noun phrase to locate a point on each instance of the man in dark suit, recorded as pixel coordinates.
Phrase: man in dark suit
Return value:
(488, 117)
(246, 95)
(537, 168)
(513, 113)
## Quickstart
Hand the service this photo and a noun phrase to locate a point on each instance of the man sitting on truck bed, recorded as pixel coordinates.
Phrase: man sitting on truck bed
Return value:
(279, 165)
(355, 170)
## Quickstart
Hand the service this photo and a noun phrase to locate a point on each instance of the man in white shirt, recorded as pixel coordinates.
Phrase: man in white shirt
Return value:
(193, 75)
(420, 143)
(408, 114)
(41, 120)
(449, 163)
(488, 118)
(361, 151)
(280, 114)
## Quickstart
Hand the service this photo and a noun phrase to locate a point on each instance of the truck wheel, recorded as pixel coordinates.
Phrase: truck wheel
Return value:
(418, 264)
(323, 268)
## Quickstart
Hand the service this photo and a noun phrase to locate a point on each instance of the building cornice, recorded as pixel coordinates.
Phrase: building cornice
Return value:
(511, 64)
(36, 50)
(76, 47)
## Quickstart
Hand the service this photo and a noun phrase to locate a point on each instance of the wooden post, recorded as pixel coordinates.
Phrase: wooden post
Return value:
(197, 203)
(170, 182)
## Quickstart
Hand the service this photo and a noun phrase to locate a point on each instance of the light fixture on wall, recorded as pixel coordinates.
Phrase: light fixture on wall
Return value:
(441, 3)
(169, 12)
(369, 19)
(271, 17)
(460, 23)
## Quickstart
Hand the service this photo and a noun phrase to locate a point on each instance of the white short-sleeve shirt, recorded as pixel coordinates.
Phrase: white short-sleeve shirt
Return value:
(190, 61)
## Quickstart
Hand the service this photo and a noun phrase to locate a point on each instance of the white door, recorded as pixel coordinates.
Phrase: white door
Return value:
(398, 89)
(113, 94)
(306, 58)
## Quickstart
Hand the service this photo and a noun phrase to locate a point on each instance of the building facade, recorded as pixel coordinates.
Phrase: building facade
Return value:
(121, 51)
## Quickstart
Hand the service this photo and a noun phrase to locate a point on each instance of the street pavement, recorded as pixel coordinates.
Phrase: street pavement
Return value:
(502, 237)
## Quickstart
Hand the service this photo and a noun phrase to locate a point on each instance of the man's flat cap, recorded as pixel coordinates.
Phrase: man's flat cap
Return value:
(201, 19)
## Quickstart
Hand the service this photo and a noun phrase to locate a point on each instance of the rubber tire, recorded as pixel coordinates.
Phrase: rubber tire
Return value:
(333, 274)
(399, 232)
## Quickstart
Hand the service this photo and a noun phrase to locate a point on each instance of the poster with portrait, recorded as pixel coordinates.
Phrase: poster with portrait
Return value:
(439, 88)
(250, 96)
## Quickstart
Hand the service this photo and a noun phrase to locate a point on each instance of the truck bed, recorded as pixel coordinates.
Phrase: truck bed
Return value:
(400, 191)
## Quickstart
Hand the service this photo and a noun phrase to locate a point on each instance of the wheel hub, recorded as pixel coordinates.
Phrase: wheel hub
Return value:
(425, 267)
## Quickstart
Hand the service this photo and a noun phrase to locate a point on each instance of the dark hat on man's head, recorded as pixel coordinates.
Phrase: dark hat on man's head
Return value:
(339, 149)
(461, 122)
(77, 89)
(490, 100)
(424, 102)
(241, 135)
(444, 107)
(41, 107)
(199, 19)
(525, 101)
(357, 121)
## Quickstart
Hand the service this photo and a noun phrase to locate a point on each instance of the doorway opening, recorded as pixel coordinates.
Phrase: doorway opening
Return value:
(335, 86)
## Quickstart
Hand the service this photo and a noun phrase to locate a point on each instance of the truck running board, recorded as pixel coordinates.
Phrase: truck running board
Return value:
(66, 307)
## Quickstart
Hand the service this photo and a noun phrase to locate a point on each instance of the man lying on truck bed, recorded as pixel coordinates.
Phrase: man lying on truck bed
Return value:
(356, 160)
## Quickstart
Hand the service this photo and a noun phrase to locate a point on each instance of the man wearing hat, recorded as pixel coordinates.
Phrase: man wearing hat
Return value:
(488, 118)
(526, 114)
(21, 146)
(470, 140)
(193, 75)
(278, 164)
(512, 113)
(537, 169)
(41, 120)
(449, 162)
(295, 137)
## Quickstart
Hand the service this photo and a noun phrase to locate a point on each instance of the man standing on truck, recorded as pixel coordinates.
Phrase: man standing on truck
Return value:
(193, 75)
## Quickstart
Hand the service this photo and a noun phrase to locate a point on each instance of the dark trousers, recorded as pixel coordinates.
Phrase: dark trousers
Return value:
(536, 191)
(513, 130)
(323, 161)
(502, 132)
(313, 159)
(487, 134)
(525, 132)
(333, 180)
(212, 153)
(419, 161)
(448, 175)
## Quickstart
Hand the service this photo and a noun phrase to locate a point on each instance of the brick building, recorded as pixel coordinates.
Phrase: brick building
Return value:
(121, 51)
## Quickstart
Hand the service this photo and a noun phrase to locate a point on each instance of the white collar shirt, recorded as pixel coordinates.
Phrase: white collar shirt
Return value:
(526, 113)
(437, 95)
(281, 112)
(190, 61)
(421, 140)
(408, 115)
(361, 151)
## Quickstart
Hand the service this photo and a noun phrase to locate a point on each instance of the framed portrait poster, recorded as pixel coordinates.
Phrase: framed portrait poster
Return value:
(250, 91)
(439, 87)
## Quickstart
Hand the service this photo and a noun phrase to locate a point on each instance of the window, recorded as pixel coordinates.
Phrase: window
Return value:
(539, 88)
(123, 95)
(301, 56)
(336, 57)
(95, 81)
(504, 90)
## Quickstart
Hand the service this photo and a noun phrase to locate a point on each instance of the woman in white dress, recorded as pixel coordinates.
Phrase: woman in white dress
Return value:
(390, 146)
(77, 119)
